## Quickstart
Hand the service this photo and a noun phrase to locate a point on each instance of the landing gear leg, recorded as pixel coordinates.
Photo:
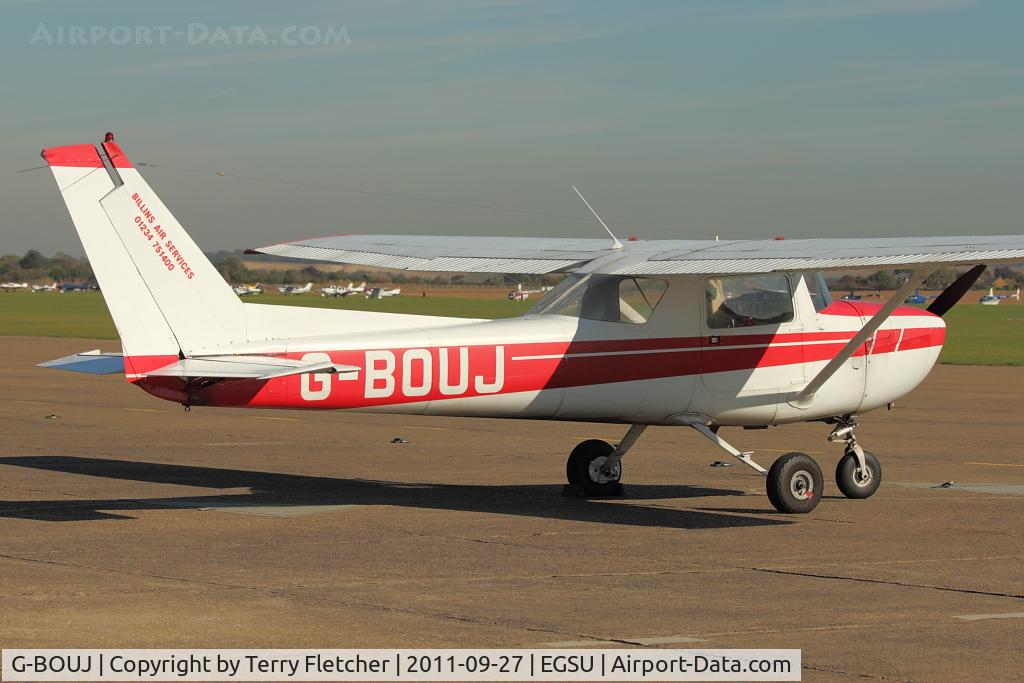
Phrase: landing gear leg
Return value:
(594, 467)
(858, 474)
(794, 483)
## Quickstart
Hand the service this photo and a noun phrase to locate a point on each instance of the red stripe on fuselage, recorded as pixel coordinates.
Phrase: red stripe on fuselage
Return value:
(140, 365)
(865, 309)
(526, 367)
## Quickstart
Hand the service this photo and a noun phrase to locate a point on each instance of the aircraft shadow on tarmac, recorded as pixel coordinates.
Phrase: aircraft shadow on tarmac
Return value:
(284, 490)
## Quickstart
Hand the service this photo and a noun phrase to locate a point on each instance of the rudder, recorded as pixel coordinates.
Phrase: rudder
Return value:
(161, 289)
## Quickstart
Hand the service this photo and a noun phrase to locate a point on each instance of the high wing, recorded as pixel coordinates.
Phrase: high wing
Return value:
(638, 257)
(446, 254)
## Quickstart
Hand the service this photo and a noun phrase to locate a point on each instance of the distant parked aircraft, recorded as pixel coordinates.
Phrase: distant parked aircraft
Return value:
(248, 290)
(916, 298)
(343, 290)
(295, 289)
(993, 299)
(14, 285)
(73, 287)
(520, 294)
(382, 292)
(45, 288)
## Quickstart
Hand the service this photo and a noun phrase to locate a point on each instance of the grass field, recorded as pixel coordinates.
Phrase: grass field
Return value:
(978, 335)
(83, 314)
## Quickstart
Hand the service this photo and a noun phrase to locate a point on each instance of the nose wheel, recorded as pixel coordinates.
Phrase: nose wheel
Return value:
(856, 481)
(858, 474)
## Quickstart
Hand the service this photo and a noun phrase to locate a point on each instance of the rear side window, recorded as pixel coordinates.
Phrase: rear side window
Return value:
(637, 298)
(748, 301)
(611, 298)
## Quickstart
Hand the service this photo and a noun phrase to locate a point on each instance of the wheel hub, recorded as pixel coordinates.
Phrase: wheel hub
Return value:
(863, 476)
(600, 474)
(801, 485)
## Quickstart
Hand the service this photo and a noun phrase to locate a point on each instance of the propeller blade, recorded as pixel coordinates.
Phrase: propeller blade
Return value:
(952, 294)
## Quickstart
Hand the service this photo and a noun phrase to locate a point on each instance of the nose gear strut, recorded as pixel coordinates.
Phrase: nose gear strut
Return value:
(843, 431)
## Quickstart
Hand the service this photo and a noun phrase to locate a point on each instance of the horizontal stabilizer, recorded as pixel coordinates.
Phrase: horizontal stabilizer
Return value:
(93, 362)
(247, 367)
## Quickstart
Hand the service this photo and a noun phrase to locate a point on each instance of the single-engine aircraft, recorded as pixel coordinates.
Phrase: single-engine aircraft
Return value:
(248, 290)
(295, 289)
(699, 334)
(382, 292)
(343, 290)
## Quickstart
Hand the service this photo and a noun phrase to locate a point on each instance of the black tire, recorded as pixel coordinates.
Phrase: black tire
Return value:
(582, 469)
(849, 482)
(795, 483)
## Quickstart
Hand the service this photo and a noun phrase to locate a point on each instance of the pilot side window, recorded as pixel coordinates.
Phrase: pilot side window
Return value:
(611, 298)
(748, 300)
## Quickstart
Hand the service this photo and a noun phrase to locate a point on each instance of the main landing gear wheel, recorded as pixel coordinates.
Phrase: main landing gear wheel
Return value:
(587, 469)
(795, 483)
(857, 483)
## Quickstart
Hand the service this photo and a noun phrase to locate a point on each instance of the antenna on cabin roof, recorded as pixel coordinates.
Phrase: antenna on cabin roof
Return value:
(616, 244)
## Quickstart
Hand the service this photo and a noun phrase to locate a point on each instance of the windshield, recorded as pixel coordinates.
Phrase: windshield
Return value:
(611, 298)
(819, 290)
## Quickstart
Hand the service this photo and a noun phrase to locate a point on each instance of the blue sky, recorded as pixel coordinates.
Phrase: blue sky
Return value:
(676, 119)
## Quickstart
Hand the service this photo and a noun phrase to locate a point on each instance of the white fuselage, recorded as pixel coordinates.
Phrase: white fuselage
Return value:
(567, 368)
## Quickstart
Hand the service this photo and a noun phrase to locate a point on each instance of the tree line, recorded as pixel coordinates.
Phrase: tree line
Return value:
(885, 280)
(37, 268)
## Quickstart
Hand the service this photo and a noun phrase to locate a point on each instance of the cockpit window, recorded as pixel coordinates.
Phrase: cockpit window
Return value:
(748, 300)
(612, 298)
(819, 291)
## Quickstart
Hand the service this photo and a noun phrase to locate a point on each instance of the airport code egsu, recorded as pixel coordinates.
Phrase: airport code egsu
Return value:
(168, 253)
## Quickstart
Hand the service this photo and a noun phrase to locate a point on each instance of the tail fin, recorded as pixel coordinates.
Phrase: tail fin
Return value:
(163, 293)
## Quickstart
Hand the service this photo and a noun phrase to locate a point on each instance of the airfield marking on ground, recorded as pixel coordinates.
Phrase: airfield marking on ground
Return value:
(34, 403)
(282, 419)
(994, 464)
(147, 410)
(983, 617)
(433, 429)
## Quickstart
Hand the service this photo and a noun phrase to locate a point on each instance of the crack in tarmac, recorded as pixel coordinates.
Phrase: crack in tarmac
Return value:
(873, 677)
(947, 589)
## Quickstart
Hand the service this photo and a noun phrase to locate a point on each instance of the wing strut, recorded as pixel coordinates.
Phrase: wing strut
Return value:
(806, 395)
